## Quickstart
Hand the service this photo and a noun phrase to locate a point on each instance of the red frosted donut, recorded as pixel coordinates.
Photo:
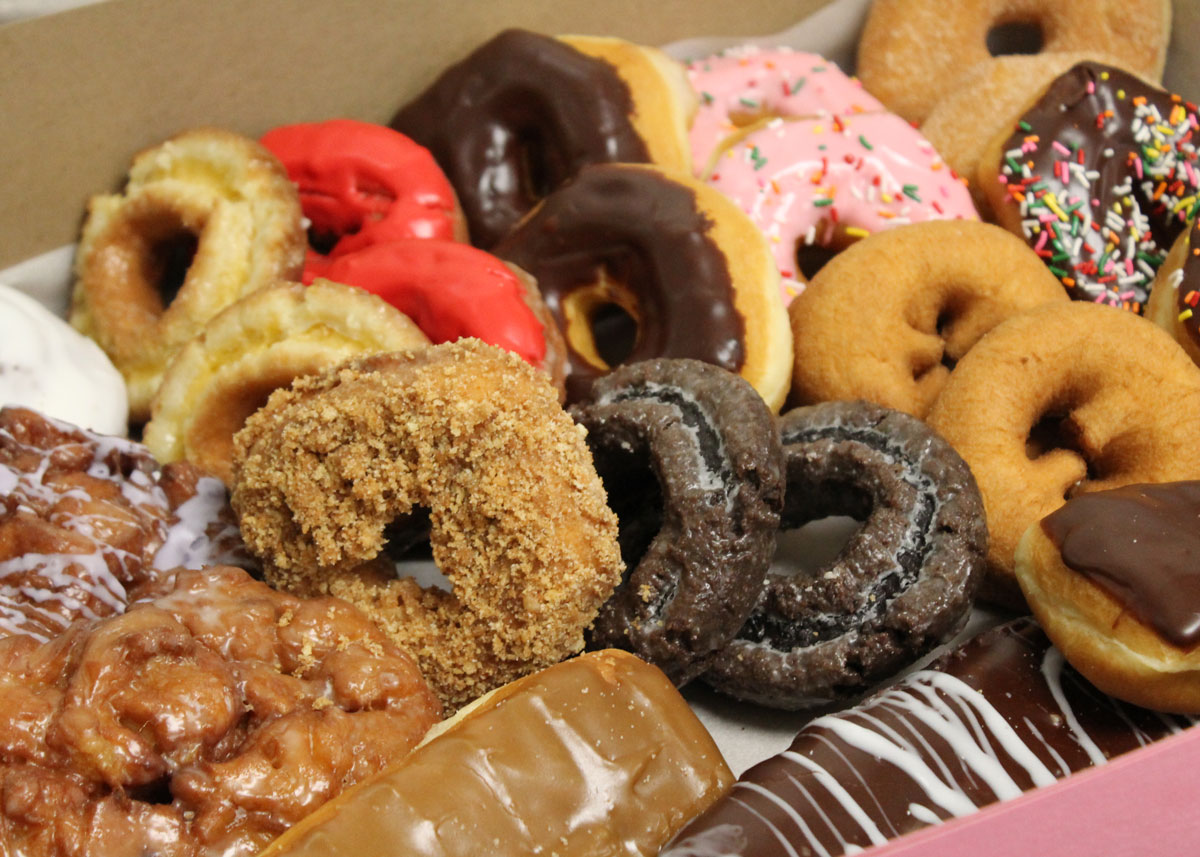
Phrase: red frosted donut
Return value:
(361, 184)
(452, 290)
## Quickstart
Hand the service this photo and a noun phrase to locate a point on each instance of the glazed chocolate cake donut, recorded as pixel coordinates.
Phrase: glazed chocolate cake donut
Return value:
(676, 255)
(690, 459)
(524, 112)
(902, 584)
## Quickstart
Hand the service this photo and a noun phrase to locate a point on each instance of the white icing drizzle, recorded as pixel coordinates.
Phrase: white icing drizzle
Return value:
(194, 540)
(1052, 667)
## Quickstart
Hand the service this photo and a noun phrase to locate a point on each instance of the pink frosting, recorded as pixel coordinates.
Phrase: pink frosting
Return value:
(836, 179)
(747, 83)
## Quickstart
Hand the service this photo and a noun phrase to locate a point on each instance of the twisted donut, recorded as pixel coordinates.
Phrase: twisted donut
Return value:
(474, 434)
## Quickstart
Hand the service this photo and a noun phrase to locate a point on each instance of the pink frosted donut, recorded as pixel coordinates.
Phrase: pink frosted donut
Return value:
(741, 85)
(830, 181)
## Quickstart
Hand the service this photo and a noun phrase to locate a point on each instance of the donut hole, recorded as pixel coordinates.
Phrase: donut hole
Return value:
(323, 240)
(811, 546)
(1008, 38)
(634, 495)
(811, 258)
(539, 167)
(407, 536)
(1051, 431)
(157, 791)
(615, 332)
(169, 258)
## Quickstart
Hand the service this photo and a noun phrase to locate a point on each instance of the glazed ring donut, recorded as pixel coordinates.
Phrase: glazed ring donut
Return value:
(472, 433)
(675, 255)
(887, 319)
(742, 85)
(1064, 399)
(814, 186)
(982, 106)
(689, 455)
(361, 184)
(913, 53)
(1175, 296)
(1099, 177)
(254, 347)
(453, 290)
(208, 211)
(904, 581)
(1111, 577)
(524, 112)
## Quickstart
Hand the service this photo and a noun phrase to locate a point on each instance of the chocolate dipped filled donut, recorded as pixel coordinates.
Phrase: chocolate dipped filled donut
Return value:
(1099, 176)
(522, 114)
(903, 582)
(690, 459)
(674, 255)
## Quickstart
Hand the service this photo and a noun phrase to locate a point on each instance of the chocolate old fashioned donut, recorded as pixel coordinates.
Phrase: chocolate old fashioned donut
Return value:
(691, 462)
(901, 585)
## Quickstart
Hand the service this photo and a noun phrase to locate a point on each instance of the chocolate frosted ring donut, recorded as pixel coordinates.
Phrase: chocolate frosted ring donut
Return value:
(902, 584)
(690, 458)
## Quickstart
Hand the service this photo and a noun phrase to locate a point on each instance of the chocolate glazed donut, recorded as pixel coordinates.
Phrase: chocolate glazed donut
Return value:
(690, 458)
(902, 584)
(516, 119)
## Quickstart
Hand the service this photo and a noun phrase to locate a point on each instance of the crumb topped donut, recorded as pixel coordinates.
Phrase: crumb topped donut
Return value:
(912, 53)
(472, 433)
(208, 214)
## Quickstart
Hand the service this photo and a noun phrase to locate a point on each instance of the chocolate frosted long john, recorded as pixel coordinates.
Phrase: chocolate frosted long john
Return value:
(999, 716)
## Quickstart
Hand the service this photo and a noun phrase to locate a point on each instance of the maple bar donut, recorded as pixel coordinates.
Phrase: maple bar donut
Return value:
(534, 771)
(453, 290)
(901, 585)
(255, 346)
(210, 717)
(1176, 292)
(522, 114)
(1100, 177)
(888, 318)
(999, 716)
(739, 86)
(48, 366)
(361, 184)
(913, 53)
(1112, 577)
(206, 217)
(518, 518)
(690, 459)
(670, 253)
(1061, 400)
(814, 186)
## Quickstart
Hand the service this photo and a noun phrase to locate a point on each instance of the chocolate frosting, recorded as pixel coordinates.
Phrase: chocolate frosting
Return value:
(644, 231)
(1140, 544)
(1102, 163)
(997, 717)
(517, 118)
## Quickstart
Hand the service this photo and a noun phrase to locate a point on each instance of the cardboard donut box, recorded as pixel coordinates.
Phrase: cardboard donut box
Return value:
(82, 91)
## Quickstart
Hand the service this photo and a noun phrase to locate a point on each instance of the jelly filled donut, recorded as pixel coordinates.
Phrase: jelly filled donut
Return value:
(1061, 400)
(1100, 177)
(821, 184)
(742, 85)
(1112, 577)
(1176, 292)
(913, 53)
(206, 217)
(901, 585)
(690, 459)
(361, 184)
(519, 525)
(524, 112)
(888, 318)
(668, 251)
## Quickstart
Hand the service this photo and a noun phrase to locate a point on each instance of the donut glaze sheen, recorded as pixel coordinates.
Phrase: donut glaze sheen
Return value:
(742, 85)
(830, 181)
(902, 584)
(361, 184)
(522, 114)
(690, 459)
(887, 319)
(999, 716)
(913, 53)
(1100, 176)
(675, 255)
(1061, 400)
(1112, 576)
